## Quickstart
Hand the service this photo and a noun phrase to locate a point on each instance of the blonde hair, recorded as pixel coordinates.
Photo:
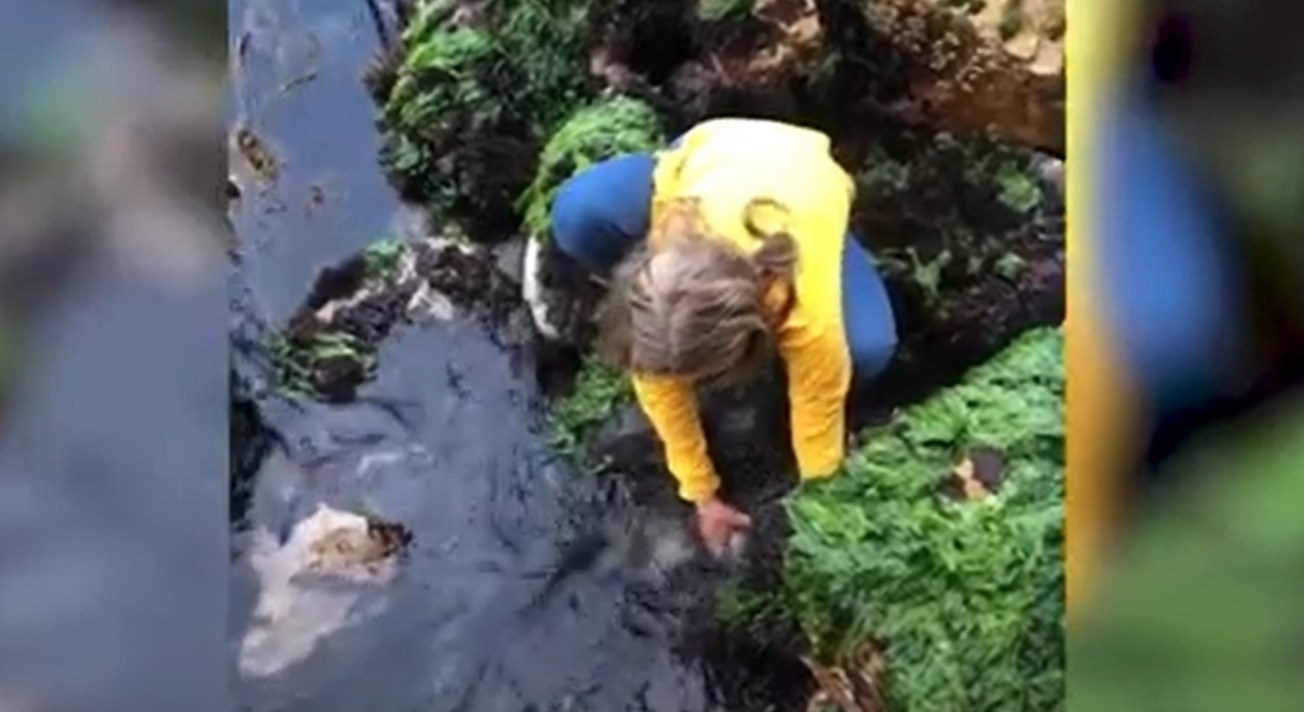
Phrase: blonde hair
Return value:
(690, 303)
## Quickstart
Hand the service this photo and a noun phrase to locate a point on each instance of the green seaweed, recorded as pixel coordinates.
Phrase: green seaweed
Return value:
(299, 363)
(883, 175)
(460, 88)
(598, 393)
(311, 360)
(382, 258)
(1010, 266)
(928, 273)
(1018, 190)
(722, 10)
(745, 613)
(963, 597)
(596, 132)
(929, 202)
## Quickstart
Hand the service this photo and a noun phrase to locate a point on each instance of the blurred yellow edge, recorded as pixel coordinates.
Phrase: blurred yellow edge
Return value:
(1100, 417)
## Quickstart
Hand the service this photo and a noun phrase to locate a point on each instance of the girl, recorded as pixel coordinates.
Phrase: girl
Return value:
(730, 245)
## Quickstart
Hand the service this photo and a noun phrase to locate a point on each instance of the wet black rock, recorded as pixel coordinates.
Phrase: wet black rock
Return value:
(1051, 171)
(469, 278)
(373, 317)
(509, 258)
(249, 442)
(627, 441)
(746, 433)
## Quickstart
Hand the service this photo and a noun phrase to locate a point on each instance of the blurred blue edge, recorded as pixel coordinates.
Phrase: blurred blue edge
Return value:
(1165, 276)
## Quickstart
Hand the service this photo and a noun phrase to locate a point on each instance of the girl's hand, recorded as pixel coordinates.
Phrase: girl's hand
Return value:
(717, 522)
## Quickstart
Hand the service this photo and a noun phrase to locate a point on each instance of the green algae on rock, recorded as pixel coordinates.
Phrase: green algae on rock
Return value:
(471, 98)
(329, 346)
(958, 601)
(474, 92)
(599, 391)
(382, 258)
(935, 193)
(969, 237)
(592, 134)
(311, 366)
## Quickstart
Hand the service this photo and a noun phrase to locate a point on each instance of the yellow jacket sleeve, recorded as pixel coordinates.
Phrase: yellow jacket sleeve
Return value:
(671, 406)
(819, 377)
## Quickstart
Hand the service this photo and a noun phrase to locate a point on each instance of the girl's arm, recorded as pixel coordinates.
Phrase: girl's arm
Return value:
(671, 406)
(819, 377)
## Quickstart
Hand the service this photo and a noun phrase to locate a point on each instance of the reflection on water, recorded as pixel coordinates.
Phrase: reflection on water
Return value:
(509, 596)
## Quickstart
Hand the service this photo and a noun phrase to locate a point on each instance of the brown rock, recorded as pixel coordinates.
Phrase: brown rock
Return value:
(798, 38)
(357, 541)
(852, 684)
(978, 474)
(789, 43)
(297, 607)
(992, 66)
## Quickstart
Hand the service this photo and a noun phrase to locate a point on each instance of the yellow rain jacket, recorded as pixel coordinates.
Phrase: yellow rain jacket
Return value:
(725, 164)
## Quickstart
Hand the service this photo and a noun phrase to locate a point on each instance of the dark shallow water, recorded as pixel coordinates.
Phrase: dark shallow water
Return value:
(491, 609)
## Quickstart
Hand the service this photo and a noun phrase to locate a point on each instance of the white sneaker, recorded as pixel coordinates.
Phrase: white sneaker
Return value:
(535, 293)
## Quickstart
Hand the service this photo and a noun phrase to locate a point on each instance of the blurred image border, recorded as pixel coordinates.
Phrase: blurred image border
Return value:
(1099, 410)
